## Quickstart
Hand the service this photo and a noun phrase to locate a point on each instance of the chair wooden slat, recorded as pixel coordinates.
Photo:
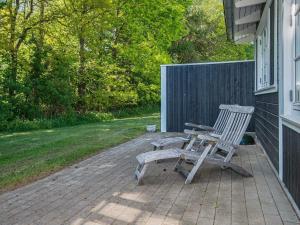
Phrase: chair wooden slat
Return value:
(235, 128)
(218, 129)
(236, 125)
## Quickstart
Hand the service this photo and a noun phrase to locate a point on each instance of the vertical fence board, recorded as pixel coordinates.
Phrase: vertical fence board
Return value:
(194, 92)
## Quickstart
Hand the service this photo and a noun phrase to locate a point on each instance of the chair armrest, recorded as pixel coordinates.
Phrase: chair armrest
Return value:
(191, 125)
(202, 135)
(207, 137)
(193, 132)
(201, 127)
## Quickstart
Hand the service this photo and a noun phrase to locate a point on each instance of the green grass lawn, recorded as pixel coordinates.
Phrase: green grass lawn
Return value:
(27, 156)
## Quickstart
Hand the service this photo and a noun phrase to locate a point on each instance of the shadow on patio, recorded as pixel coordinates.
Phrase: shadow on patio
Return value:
(101, 190)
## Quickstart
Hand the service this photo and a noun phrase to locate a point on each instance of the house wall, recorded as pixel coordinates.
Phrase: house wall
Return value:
(267, 99)
(277, 115)
(289, 112)
(267, 124)
(194, 92)
(291, 159)
(277, 123)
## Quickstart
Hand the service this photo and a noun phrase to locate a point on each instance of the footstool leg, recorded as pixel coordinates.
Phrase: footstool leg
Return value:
(160, 148)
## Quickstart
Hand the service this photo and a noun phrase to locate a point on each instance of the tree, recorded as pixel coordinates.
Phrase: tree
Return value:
(19, 18)
(82, 19)
(64, 56)
(142, 33)
(207, 39)
(18, 22)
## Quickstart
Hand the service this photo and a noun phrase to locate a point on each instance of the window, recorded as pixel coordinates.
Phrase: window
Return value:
(297, 52)
(265, 52)
(263, 76)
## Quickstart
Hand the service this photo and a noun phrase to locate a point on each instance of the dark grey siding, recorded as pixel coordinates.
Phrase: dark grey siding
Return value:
(194, 92)
(267, 123)
(291, 165)
(267, 107)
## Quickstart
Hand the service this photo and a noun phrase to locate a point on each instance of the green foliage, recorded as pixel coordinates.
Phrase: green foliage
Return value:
(72, 119)
(207, 39)
(5, 110)
(136, 111)
(59, 58)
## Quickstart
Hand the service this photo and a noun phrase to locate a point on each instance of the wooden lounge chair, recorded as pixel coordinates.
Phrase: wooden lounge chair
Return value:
(215, 131)
(228, 141)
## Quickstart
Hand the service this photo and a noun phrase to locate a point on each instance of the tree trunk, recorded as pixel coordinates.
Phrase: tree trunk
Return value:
(12, 79)
(38, 62)
(116, 35)
(81, 72)
(81, 86)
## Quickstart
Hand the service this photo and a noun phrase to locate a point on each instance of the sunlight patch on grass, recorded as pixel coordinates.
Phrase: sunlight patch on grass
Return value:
(3, 135)
(49, 131)
(139, 117)
(27, 156)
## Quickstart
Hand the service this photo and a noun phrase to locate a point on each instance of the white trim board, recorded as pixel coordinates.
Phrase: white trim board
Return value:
(291, 121)
(207, 63)
(264, 17)
(280, 78)
(245, 3)
(265, 22)
(163, 99)
(266, 90)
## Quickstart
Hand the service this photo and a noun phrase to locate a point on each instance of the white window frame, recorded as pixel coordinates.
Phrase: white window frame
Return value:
(296, 104)
(290, 109)
(265, 24)
(263, 53)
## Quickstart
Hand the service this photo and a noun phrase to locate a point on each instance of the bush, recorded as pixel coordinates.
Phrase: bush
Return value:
(96, 117)
(136, 111)
(72, 118)
(5, 111)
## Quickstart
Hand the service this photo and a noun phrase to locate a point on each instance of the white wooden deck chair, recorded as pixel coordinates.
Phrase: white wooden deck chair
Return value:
(216, 130)
(238, 121)
(228, 142)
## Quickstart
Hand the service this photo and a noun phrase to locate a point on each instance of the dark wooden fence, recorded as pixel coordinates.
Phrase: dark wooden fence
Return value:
(193, 92)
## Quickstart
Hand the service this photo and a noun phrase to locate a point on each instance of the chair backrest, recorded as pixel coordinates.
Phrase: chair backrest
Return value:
(222, 119)
(235, 128)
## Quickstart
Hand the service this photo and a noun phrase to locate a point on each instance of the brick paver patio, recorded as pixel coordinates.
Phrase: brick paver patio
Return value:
(101, 190)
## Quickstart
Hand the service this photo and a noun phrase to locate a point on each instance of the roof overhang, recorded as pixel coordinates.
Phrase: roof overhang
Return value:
(242, 18)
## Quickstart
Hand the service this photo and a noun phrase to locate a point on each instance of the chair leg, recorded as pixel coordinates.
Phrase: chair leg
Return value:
(238, 169)
(180, 169)
(140, 172)
(191, 143)
(178, 164)
(230, 155)
(184, 145)
(214, 150)
(137, 171)
(228, 165)
(160, 148)
(199, 163)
